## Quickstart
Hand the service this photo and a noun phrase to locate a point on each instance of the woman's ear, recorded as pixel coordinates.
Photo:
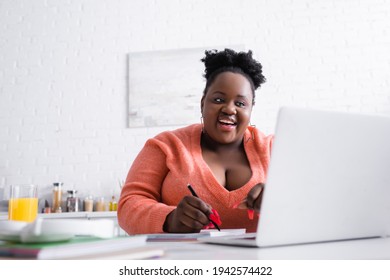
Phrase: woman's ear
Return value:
(202, 104)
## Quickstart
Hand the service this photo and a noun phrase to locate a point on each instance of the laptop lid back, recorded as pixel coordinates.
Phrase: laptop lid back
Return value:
(329, 178)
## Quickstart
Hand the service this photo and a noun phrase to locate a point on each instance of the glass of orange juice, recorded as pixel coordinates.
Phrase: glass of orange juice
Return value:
(23, 203)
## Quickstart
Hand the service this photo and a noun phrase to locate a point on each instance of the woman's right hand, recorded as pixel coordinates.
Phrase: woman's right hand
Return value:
(190, 215)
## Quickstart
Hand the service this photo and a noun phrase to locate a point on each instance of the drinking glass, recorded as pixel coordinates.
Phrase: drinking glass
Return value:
(23, 203)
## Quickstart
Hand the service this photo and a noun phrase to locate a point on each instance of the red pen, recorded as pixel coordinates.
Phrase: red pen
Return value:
(194, 194)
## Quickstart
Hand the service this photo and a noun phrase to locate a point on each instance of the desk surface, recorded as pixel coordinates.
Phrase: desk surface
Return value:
(365, 249)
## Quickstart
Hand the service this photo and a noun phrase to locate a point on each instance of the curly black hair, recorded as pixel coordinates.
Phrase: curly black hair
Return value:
(243, 63)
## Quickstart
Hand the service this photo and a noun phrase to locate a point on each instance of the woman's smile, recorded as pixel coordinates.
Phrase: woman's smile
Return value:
(226, 124)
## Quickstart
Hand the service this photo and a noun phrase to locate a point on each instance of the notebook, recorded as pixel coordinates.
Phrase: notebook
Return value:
(328, 180)
(193, 236)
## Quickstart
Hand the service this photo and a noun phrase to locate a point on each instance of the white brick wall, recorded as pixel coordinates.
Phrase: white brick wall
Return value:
(63, 88)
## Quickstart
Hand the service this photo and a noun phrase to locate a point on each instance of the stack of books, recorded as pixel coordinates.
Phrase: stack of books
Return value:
(125, 247)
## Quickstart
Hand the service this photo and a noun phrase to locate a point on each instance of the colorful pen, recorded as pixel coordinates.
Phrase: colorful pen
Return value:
(194, 194)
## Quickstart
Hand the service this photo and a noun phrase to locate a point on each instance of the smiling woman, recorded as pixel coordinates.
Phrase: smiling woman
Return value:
(224, 159)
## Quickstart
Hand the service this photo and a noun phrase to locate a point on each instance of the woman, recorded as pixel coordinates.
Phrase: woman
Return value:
(224, 159)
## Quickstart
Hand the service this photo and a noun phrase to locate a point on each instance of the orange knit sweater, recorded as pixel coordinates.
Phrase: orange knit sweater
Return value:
(158, 179)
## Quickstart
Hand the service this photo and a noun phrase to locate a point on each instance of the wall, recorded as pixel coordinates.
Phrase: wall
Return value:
(63, 72)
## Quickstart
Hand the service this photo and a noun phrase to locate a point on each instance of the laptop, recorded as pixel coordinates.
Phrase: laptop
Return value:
(328, 180)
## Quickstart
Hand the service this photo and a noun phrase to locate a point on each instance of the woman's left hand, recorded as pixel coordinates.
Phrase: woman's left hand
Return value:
(253, 199)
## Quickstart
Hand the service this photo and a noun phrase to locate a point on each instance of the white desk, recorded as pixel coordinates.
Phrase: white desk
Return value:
(376, 249)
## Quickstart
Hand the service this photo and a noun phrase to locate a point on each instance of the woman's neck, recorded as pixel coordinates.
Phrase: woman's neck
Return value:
(210, 144)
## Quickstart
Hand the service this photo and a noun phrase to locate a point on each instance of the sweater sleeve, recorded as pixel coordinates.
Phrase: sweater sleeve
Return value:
(140, 209)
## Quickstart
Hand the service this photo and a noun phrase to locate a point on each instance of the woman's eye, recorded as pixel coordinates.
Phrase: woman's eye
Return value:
(240, 104)
(218, 100)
